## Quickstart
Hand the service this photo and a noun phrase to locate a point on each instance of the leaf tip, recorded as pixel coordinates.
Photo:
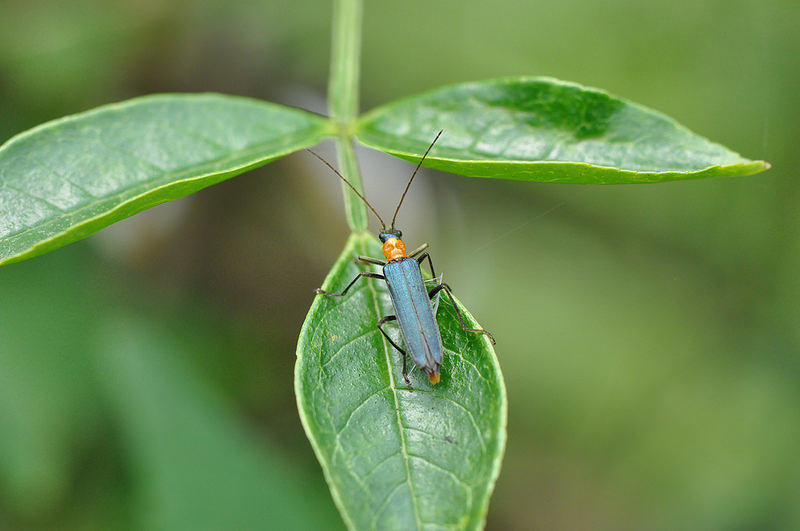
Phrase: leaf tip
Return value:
(758, 166)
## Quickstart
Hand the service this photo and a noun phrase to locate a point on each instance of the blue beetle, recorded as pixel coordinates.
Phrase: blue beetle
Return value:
(411, 300)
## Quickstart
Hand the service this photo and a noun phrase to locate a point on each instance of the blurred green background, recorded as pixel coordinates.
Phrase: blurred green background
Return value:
(649, 335)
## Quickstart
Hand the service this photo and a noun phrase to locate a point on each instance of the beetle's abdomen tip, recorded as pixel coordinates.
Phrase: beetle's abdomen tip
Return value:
(434, 378)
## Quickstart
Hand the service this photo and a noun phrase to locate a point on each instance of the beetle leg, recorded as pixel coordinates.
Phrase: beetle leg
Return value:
(418, 250)
(444, 287)
(383, 321)
(320, 291)
(369, 260)
(430, 262)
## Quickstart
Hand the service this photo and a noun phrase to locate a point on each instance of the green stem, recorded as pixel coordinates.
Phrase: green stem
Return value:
(343, 101)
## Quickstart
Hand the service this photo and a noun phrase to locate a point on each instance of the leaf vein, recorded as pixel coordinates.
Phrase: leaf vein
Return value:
(393, 386)
(379, 463)
(386, 501)
(450, 473)
(357, 408)
(344, 346)
(32, 196)
(471, 417)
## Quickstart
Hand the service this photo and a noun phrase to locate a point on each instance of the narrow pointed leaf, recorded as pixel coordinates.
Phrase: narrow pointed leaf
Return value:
(541, 129)
(69, 178)
(397, 458)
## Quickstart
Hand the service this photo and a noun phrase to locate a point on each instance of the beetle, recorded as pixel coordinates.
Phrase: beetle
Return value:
(411, 300)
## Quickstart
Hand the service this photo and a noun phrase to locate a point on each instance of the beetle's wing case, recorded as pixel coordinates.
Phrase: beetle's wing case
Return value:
(415, 315)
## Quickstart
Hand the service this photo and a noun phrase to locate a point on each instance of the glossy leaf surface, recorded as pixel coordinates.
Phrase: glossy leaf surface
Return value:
(69, 178)
(541, 129)
(397, 458)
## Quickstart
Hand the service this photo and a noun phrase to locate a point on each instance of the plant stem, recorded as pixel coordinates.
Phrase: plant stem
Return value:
(343, 101)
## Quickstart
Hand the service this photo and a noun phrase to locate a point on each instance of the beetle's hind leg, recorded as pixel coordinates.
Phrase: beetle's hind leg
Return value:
(382, 322)
(444, 287)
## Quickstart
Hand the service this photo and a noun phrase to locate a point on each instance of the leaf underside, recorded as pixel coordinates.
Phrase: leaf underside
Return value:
(542, 129)
(397, 458)
(69, 178)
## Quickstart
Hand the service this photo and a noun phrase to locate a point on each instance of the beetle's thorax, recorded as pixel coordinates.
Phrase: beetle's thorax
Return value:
(394, 249)
(393, 246)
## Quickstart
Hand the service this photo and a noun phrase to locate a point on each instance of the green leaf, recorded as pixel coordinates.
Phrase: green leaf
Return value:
(69, 178)
(540, 129)
(397, 458)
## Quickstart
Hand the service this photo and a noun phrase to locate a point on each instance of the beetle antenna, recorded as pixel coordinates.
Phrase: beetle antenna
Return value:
(353, 188)
(412, 177)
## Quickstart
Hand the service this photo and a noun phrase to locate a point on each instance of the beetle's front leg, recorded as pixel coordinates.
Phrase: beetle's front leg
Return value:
(422, 257)
(368, 260)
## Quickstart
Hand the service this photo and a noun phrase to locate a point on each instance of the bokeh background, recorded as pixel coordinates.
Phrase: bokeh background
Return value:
(649, 335)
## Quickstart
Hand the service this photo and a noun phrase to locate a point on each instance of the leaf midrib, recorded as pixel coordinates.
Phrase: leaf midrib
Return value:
(392, 385)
